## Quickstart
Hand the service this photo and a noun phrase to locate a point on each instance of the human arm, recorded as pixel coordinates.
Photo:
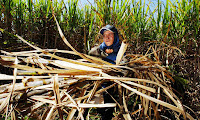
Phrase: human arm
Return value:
(96, 51)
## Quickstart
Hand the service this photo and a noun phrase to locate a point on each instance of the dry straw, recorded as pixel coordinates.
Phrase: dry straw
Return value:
(59, 87)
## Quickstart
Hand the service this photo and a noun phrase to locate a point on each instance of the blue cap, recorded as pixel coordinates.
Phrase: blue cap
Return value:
(110, 28)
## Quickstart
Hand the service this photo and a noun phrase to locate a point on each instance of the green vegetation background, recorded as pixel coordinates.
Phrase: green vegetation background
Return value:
(168, 23)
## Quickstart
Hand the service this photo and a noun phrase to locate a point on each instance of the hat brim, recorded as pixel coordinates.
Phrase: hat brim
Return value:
(105, 29)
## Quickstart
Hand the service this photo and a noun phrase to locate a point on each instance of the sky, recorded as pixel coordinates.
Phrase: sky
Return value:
(82, 3)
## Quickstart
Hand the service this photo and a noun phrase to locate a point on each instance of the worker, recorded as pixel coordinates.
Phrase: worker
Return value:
(107, 51)
(109, 48)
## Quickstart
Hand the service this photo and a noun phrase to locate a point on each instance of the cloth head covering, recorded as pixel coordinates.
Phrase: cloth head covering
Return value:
(110, 28)
(115, 46)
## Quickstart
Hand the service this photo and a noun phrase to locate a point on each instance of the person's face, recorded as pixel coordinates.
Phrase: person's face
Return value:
(108, 38)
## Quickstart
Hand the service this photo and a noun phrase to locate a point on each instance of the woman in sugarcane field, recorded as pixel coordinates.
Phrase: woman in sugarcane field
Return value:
(108, 51)
(109, 48)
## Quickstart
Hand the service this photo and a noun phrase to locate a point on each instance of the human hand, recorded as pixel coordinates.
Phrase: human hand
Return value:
(109, 51)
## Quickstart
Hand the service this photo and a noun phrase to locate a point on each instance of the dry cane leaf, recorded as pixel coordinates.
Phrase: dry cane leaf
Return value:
(13, 89)
(121, 52)
(57, 94)
(50, 113)
(151, 98)
(127, 115)
(75, 105)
